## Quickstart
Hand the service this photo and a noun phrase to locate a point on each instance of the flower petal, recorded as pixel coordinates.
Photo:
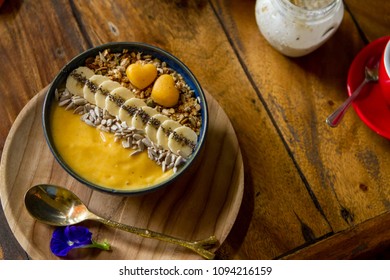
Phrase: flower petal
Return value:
(58, 244)
(67, 238)
(78, 235)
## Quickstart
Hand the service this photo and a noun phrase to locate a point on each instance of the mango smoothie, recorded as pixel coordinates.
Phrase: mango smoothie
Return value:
(95, 156)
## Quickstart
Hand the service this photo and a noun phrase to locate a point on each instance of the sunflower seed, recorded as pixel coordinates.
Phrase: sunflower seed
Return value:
(163, 166)
(88, 122)
(173, 158)
(150, 155)
(98, 112)
(167, 160)
(92, 114)
(70, 106)
(64, 102)
(136, 152)
(154, 153)
(141, 145)
(126, 144)
(146, 142)
(178, 160)
(65, 97)
(114, 127)
(78, 101)
(137, 136)
(79, 110)
(170, 166)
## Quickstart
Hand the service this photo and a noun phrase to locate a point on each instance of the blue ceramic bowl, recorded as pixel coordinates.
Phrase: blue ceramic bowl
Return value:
(116, 47)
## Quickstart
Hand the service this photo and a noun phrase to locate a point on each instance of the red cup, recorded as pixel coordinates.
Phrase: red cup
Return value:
(384, 73)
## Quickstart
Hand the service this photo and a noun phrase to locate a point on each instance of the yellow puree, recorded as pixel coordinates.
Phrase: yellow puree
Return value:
(95, 156)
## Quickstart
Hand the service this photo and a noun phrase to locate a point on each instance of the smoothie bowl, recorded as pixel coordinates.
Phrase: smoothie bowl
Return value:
(125, 118)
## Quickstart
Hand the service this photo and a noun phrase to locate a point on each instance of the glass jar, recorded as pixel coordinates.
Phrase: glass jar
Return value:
(298, 27)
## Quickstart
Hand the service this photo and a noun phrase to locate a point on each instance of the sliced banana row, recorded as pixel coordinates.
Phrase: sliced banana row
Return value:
(121, 103)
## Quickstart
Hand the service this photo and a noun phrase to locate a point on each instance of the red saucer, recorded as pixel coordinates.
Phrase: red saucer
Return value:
(370, 105)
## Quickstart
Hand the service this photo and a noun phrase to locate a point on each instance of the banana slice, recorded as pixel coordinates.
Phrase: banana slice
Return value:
(92, 86)
(123, 92)
(77, 79)
(182, 141)
(142, 117)
(103, 91)
(164, 131)
(116, 99)
(152, 126)
(129, 109)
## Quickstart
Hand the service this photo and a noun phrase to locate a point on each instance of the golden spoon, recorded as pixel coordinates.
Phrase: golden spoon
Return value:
(59, 206)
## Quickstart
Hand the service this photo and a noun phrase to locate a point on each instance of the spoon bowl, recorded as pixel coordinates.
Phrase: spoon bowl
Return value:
(58, 206)
(55, 206)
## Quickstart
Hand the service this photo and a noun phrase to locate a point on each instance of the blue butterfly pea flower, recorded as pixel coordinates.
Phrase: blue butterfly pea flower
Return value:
(67, 238)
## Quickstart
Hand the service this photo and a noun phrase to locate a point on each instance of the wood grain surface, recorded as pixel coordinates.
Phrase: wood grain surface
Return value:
(203, 203)
(308, 187)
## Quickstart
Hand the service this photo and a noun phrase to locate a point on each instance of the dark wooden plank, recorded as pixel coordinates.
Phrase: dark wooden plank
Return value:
(369, 240)
(345, 168)
(372, 17)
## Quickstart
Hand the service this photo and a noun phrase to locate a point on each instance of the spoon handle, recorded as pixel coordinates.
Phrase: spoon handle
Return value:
(334, 119)
(198, 246)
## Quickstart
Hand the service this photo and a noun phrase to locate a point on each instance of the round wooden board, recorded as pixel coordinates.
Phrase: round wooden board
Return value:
(207, 204)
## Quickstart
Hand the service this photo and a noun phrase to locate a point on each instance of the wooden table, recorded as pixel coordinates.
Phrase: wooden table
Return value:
(311, 192)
